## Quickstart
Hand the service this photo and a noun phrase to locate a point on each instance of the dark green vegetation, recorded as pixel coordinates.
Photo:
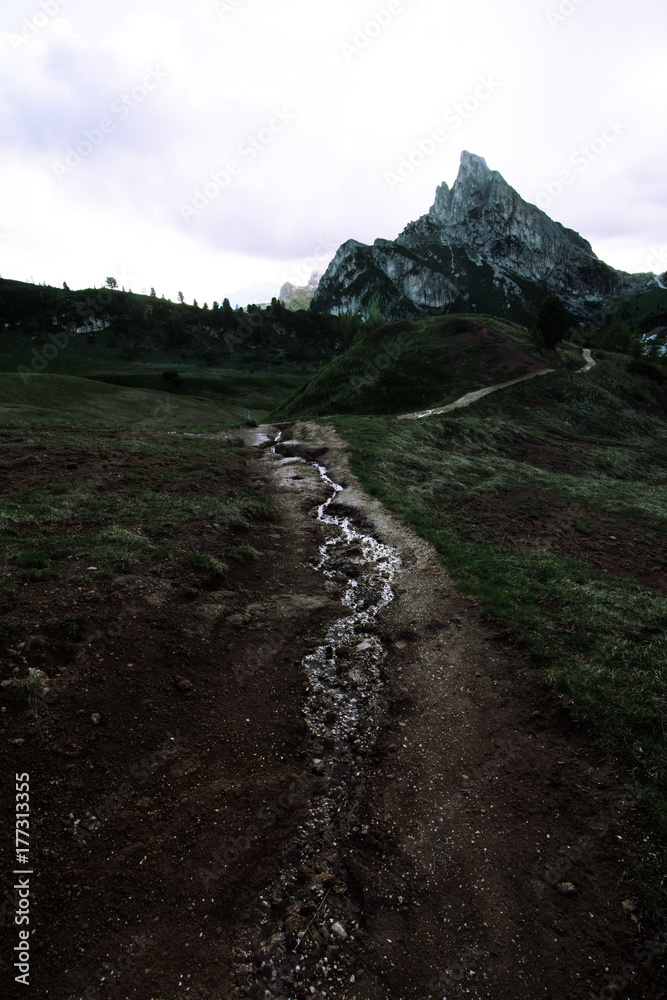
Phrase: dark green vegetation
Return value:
(130, 327)
(643, 312)
(236, 359)
(548, 503)
(414, 364)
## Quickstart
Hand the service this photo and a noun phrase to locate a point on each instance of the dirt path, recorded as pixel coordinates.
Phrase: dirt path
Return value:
(476, 845)
(472, 397)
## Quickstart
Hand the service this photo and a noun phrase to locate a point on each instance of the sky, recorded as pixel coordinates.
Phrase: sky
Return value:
(223, 147)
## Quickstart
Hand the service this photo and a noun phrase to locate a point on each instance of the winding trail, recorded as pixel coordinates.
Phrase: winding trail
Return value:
(472, 397)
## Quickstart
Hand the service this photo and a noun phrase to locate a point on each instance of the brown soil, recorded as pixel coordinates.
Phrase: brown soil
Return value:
(548, 522)
(501, 358)
(167, 840)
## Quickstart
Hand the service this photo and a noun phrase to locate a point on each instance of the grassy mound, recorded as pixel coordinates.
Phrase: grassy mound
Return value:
(414, 364)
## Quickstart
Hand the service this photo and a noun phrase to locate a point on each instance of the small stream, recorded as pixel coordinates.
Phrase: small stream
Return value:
(344, 703)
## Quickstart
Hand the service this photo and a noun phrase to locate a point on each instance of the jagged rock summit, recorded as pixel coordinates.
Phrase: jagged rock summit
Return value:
(481, 247)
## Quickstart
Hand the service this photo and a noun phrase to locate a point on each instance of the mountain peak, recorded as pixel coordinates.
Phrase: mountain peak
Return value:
(473, 188)
(471, 163)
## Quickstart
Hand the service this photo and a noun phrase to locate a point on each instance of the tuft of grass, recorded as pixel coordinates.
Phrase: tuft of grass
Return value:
(69, 625)
(204, 561)
(30, 560)
(122, 536)
(32, 685)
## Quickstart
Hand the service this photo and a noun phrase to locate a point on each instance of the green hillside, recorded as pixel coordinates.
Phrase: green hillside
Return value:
(414, 364)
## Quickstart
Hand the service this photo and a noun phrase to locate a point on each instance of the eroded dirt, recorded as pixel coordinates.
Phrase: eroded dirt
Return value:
(177, 845)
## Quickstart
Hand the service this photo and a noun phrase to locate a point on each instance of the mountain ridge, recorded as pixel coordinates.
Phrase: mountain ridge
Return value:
(480, 247)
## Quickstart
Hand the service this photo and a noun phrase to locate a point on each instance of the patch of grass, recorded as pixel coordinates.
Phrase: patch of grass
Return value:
(163, 552)
(122, 536)
(204, 561)
(32, 560)
(31, 686)
(69, 625)
(115, 556)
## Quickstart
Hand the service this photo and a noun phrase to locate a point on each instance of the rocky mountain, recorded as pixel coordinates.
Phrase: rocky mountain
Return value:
(482, 248)
(297, 297)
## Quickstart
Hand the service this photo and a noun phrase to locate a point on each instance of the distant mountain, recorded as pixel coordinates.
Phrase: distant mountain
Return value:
(299, 296)
(481, 248)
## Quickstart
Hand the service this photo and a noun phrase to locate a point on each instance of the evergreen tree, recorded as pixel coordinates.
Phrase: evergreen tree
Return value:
(228, 319)
(550, 323)
(618, 337)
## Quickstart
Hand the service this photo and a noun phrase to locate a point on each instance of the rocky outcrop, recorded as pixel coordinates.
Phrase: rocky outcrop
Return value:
(481, 247)
(297, 297)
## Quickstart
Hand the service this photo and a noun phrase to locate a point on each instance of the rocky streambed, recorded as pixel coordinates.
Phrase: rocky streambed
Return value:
(306, 916)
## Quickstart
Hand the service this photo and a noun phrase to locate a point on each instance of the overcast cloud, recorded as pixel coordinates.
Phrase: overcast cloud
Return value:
(226, 145)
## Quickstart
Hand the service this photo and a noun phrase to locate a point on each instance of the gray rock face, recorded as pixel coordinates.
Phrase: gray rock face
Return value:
(481, 247)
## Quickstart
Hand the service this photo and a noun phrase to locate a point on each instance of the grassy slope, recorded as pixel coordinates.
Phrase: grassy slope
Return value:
(63, 400)
(412, 364)
(600, 637)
